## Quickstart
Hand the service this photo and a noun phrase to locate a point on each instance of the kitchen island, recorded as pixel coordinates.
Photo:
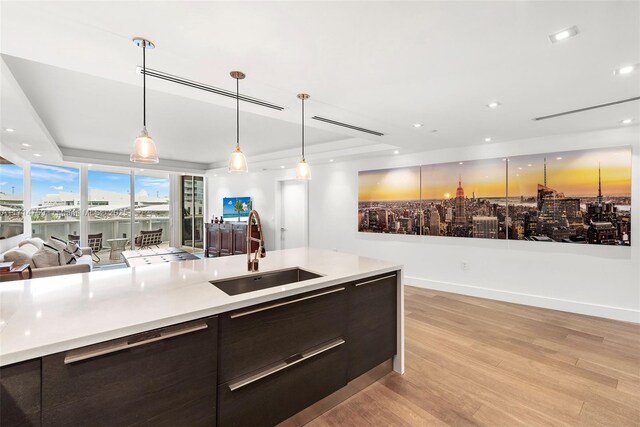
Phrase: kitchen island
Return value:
(76, 341)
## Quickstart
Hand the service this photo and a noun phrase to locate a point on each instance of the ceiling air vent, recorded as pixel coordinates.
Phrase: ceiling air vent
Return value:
(593, 107)
(207, 88)
(345, 125)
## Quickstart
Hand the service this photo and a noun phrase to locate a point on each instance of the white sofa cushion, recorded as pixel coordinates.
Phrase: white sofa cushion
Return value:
(34, 241)
(47, 256)
(21, 255)
(86, 260)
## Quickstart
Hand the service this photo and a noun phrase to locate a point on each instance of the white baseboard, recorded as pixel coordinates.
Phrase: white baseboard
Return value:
(598, 310)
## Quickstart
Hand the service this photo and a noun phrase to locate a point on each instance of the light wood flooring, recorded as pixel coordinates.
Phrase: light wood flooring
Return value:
(473, 361)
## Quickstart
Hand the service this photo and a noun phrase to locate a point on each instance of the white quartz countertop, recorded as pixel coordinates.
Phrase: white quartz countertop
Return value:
(49, 315)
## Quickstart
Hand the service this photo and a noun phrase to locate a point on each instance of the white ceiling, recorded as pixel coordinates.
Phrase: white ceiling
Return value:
(380, 65)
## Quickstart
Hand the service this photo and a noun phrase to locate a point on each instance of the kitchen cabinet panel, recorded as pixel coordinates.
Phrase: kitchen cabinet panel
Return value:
(20, 394)
(164, 377)
(372, 323)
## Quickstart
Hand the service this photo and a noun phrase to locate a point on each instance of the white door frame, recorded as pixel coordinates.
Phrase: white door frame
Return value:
(278, 210)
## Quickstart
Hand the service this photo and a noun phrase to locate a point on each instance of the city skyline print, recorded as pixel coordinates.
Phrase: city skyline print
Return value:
(580, 197)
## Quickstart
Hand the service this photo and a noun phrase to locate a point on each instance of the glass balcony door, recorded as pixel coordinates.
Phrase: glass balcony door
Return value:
(192, 213)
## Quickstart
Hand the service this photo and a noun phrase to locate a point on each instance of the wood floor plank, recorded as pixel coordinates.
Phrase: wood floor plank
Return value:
(472, 361)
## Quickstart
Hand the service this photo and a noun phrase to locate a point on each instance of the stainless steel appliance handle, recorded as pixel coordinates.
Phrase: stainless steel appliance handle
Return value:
(269, 307)
(136, 341)
(291, 361)
(375, 280)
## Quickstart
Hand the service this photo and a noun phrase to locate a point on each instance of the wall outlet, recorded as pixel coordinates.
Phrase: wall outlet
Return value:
(465, 265)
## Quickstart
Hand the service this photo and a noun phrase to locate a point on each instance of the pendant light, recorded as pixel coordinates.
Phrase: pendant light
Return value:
(302, 170)
(237, 161)
(144, 149)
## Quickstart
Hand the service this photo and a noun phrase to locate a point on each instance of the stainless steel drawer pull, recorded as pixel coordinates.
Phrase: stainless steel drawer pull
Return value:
(269, 307)
(376, 280)
(125, 343)
(294, 360)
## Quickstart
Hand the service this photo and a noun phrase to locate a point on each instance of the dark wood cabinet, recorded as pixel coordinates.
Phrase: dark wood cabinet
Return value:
(229, 239)
(164, 377)
(239, 239)
(212, 237)
(277, 395)
(226, 239)
(255, 337)
(372, 322)
(20, 394)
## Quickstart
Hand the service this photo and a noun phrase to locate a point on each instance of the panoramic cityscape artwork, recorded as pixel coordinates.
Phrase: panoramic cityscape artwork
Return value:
(581, 197)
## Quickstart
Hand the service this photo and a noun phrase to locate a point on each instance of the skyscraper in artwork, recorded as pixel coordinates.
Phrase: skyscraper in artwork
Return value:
(460, 214)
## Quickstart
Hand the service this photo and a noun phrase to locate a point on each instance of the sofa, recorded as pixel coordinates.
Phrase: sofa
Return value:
(23, 253)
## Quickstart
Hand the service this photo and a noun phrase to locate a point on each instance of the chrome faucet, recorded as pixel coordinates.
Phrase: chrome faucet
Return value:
(252, 264)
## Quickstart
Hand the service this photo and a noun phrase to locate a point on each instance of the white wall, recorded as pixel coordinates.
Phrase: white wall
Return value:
(601, 281)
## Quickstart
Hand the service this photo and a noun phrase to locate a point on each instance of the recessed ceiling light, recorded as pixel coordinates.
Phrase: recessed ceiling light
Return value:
(330, 160)
(558, 158)
(626, 121)
(282, 167)
(215, 174)
(9, 130)
(487, 139)
(396, 152)
(26, 145)
(494, 104)
(564, 34)
(417, 125)
(461, 163)
(36, 155)
(627, 69)
(89, 164)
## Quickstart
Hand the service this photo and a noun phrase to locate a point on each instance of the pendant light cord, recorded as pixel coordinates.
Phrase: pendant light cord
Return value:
(237, 112)
(303, 128)
(144, 84)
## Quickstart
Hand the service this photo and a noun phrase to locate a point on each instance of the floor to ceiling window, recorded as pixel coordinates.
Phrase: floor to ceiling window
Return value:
(55, 201)
(152, 210)
(192, 212)
(109, 213)
(11, 199)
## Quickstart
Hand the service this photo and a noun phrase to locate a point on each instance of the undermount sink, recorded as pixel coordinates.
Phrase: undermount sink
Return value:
(256, 282)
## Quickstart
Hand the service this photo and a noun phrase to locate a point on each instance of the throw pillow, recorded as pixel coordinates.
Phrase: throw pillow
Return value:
(66, 249)
(47, 256)
(19, 256)
(35, 241)
(71, 246)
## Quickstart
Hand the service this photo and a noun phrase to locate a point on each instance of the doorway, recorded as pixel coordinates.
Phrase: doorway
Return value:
(292, 214)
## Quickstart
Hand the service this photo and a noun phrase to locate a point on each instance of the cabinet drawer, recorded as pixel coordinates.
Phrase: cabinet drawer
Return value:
(372, 322)
(270, 396)
(20, 394)
(164, 377)
(258, 336)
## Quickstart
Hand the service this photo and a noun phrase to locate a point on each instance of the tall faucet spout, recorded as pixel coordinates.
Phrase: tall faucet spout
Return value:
(252, 264)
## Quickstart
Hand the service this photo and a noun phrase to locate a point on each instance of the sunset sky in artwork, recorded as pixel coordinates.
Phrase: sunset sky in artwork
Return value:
(389, 184)
(573, 173)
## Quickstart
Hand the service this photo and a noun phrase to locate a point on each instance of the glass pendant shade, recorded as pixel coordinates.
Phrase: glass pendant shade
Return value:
(144, 149)
(303, 171)
(238, 162)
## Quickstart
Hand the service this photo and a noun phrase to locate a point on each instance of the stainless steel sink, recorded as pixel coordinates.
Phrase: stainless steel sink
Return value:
(256, 282)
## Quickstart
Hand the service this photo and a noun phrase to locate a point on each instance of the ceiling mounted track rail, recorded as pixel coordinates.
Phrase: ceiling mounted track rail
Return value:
(593, 107)
(345, 125)
(207, 88)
